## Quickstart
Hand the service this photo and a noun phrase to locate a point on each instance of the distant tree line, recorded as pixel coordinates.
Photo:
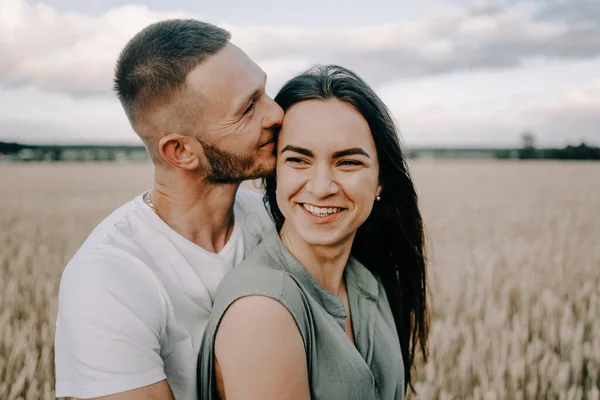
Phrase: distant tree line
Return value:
(137, 153)
(570, 152)
(53, 153)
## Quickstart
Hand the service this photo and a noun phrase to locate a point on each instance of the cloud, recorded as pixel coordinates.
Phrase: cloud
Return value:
(75, 53)
(576, 110)
(580, 98)
(56, 70)
(59, 132)
(30, 114)
(65, 52)
(453, 40)
(573, 116)
(581, 13)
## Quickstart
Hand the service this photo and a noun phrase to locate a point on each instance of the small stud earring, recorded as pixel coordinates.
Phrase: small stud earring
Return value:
(378, 198)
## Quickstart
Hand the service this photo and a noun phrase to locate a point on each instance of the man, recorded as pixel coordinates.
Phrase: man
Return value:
(135, 298)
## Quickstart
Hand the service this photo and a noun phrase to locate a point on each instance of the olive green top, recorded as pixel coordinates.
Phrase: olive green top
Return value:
(337, 369)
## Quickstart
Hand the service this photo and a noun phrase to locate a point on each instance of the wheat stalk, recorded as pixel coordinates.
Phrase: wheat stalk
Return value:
(514, 272)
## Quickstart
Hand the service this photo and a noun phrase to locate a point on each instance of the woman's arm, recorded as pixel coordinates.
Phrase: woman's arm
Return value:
(260, 353)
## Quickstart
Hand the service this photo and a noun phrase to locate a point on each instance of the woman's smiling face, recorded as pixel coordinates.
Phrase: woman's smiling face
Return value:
(327, 171)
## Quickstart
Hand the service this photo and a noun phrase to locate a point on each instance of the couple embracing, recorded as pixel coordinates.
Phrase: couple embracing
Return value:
(201, 289)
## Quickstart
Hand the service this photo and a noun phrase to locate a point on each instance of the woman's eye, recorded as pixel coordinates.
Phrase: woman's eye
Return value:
(353, 163)
(295, 160)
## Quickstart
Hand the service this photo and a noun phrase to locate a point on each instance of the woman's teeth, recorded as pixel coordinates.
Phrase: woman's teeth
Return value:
(318, 211)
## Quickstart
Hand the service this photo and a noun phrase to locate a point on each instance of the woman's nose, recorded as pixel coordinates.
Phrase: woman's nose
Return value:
(321, 183)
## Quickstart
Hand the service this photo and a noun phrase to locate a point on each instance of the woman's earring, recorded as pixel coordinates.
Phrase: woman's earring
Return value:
(378, 198)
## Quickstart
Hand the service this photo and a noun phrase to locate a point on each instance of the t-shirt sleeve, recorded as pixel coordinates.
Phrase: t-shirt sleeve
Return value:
(108, 328)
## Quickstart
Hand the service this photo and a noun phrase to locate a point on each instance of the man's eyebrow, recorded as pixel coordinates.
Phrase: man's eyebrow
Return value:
(255, 94)
(350, 152)
(297, 149)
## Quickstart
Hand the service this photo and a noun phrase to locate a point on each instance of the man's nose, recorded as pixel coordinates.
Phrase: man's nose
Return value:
(321, 183)
(273, 115)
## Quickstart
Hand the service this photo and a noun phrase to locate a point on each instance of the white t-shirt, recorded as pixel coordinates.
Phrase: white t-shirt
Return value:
(136, 297)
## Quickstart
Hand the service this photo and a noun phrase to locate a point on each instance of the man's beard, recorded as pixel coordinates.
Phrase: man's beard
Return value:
(226, 168)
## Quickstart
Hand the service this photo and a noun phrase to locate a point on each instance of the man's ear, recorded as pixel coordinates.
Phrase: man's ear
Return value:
(180, 151)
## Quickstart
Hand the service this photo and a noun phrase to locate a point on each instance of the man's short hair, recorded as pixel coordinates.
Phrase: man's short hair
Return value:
(154, 64)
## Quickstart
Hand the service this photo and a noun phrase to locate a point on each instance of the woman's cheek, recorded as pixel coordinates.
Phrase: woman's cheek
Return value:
(360, 184)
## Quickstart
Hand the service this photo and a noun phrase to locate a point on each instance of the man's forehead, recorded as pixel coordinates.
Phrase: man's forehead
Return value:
(228, 69)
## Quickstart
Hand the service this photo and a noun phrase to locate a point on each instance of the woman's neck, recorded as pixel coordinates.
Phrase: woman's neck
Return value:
(325, 263)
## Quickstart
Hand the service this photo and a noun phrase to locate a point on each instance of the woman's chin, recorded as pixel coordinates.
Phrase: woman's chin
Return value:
(320, 237)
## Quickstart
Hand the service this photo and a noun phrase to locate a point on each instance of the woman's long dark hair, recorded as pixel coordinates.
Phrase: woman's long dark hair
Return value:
(391, 242)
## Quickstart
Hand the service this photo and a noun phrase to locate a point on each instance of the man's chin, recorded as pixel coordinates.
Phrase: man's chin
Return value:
(264, 169)
(257, 173)
(219, 180)
(263, 173)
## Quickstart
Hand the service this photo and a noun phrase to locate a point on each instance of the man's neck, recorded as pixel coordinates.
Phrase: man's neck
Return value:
(200, 211)
(325, 264)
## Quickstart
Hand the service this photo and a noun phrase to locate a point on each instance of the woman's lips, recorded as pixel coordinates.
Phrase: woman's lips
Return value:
(324, 219)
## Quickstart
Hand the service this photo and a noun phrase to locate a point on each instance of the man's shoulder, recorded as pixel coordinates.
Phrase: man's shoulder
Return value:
(111, 226)
(255, 217)
(105, 270)
(249, 199)
(111, 252)
(127, 235)
(104, 284)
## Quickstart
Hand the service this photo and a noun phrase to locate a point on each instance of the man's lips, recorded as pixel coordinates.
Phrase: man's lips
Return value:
(267, 143)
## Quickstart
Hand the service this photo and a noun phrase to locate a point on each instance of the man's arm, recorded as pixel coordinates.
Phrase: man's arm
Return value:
(157, 391)
(108, 330)
(260, 352)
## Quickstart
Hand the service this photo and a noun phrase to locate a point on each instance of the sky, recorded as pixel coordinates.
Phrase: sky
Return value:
(459, 73)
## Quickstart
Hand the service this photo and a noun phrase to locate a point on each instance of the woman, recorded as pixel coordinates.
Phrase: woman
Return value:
(333, 304)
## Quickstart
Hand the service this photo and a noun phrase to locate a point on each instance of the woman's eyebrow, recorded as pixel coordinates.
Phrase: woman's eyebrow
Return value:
(297, 149)
(350, 152)
(337, 154)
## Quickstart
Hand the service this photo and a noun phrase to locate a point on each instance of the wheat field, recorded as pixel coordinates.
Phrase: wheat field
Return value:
(514, 272)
